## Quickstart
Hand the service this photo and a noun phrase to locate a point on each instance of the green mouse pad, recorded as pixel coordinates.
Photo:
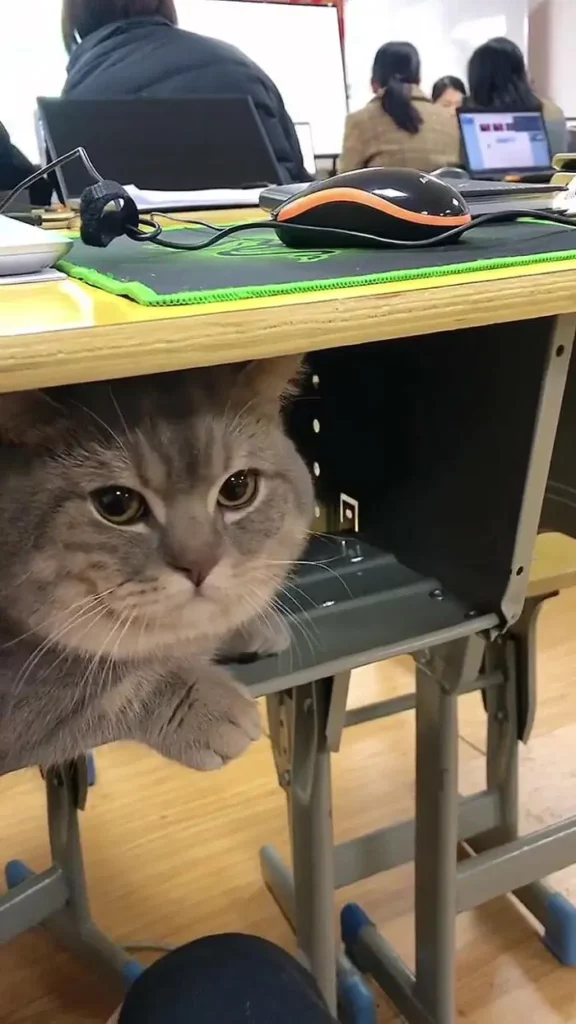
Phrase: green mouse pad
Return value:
(254, 264)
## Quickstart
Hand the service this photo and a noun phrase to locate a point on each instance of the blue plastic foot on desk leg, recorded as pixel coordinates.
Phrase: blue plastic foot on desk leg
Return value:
(355, 1001)
(132, 971)
(16, 872)
(560, 933)
(352, 920)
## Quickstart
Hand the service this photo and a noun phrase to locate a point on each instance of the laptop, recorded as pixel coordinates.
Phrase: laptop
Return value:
(170, 145)
(499, 145)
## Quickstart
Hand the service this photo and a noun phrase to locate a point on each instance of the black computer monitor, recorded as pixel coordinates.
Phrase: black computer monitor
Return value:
(174, 145)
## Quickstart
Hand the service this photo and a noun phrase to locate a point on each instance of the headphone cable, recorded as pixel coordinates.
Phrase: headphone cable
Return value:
(374, 241)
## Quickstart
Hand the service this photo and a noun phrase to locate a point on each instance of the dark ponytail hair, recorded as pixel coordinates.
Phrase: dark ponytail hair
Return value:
(397, 68)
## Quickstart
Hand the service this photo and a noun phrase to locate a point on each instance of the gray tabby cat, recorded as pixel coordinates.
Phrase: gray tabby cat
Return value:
(143, 524)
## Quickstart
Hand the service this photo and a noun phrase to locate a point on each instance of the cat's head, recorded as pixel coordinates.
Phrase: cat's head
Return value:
(152, 514)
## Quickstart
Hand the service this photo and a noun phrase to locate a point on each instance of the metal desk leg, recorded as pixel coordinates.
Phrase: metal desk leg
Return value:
(298, 730)
(428, 995)
(72, 924)
(312, 837)
(436, 847)
(552, 909)
(511, 710)
(305, 726)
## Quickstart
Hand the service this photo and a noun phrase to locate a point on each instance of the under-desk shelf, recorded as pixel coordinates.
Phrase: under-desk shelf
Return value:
(356, 605)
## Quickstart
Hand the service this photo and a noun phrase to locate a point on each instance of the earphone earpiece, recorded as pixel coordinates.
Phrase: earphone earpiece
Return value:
(101, 223)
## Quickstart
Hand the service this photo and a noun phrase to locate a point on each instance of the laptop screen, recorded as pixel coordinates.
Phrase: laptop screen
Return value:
(504, 142)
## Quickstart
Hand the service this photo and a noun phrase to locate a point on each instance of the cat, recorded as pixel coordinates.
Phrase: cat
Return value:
(145, 524)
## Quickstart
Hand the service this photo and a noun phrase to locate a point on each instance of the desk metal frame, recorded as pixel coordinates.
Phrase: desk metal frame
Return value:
(305, 730)
(456, 581)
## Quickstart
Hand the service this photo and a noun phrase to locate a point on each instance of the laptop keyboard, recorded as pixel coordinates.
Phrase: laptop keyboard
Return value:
(477, 189)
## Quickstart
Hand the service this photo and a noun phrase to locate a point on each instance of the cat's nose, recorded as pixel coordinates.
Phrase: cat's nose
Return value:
(198, 569)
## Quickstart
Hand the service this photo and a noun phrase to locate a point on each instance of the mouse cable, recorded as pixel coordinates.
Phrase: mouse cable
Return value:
(364, 240)
(79, 152)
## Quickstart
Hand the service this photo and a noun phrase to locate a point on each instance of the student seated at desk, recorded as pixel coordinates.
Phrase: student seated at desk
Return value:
(124, 48)
(400, 127)
(449, 92)
(499, 81)
(15, 168)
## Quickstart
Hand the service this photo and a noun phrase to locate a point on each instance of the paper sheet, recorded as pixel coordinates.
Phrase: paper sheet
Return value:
(41, 277)
(206, 198)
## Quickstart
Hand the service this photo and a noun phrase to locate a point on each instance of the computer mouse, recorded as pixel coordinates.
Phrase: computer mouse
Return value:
(386, 203)
(451, 174)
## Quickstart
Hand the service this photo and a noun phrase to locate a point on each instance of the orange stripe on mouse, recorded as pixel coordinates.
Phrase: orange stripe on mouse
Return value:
(303, 204)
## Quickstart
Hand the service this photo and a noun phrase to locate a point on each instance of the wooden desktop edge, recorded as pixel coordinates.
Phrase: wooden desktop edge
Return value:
(115, 350)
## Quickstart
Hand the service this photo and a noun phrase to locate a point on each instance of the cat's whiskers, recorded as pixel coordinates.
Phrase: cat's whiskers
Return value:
(106, 679)
(36, 655)
(277, 603)
(310, 633)
(86, 602)
(311, 640)
(16, 584)
(282, 612)
(68, 652)
(119, 411)
(288, 583)
(238, 418)
(106, 426)
(269, 608)
(96, 659)
(326, 537)
(315, 565)
(143, 627)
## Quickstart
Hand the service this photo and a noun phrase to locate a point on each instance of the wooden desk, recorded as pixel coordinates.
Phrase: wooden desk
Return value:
(67, 332)
(441, 440)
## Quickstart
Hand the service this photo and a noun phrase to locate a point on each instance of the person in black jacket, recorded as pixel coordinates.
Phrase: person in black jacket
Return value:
(124, 48)
(15, 168)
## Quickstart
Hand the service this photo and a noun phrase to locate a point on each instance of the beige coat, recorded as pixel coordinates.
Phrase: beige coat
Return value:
(372, 139)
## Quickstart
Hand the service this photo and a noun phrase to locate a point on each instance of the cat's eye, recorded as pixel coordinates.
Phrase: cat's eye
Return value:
(239, 490)
(120, 506)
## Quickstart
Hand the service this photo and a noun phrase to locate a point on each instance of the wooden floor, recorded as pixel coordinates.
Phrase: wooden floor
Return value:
(171, 855)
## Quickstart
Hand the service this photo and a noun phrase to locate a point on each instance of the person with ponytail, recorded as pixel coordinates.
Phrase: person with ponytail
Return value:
(400, 127)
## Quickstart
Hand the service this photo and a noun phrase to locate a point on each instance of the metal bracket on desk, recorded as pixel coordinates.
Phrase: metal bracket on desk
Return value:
(522, 636)
(453, 665)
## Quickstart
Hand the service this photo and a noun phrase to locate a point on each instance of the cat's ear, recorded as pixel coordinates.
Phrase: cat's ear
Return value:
(272, 381)
(30, 418)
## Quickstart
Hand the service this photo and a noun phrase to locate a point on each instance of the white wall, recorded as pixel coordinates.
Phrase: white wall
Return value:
(295, 45)
(552, 51)
(32, 63)
(444, 31)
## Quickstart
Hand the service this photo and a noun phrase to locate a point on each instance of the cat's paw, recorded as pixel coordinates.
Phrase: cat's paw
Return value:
(259, 638)
(230, 723)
